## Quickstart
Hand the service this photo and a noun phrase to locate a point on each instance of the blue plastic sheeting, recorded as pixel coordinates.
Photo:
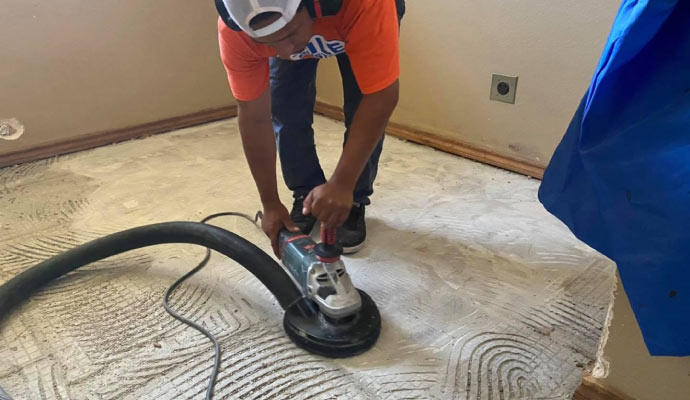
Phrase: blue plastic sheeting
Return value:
(620, 179)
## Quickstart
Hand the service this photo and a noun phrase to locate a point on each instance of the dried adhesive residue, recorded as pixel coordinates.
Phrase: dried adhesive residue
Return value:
(483, 294)
(11, 129)
(601, 365)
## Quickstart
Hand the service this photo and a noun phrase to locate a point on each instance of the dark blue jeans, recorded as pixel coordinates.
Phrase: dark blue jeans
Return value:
(293, 94)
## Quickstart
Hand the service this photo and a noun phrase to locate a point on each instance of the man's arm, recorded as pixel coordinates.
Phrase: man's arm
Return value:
(259, 145)
(331, 202)
(258, 141)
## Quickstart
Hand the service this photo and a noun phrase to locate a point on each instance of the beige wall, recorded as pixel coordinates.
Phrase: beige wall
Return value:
(72, 67)
(632, 371)
(450, 48)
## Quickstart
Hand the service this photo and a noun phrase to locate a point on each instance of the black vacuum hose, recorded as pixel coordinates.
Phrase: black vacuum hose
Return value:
(302, 321)
(255, 260)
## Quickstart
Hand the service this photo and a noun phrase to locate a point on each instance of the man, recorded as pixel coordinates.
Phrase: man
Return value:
(271, 65)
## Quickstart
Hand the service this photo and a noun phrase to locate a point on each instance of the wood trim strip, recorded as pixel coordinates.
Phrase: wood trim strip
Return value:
(91, 140)
(592, 389)
(96, 139)
(448, 145)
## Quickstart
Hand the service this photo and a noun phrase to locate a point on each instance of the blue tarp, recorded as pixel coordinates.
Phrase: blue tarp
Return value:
(620, 178)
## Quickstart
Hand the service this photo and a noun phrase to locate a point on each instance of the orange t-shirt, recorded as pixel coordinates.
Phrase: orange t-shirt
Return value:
(366, 30)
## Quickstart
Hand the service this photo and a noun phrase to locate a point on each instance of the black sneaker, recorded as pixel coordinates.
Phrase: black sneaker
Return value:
(352, 234)
(305, 223)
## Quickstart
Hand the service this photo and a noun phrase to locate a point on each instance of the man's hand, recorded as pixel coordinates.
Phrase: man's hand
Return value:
(276, 217)
(330, 203)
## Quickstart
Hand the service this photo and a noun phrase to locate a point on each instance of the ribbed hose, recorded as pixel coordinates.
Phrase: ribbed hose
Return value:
(245, 253)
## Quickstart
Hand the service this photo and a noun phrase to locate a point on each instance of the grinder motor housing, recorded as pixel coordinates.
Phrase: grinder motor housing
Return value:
(320, 274)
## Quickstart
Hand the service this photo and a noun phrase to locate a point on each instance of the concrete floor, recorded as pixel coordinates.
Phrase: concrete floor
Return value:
(483, 294)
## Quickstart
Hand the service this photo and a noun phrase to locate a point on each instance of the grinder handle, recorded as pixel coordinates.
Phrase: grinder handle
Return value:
(328, 236)
(328, 250)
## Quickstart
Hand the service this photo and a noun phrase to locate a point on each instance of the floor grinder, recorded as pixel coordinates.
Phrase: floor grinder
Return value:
(324, 313)
(340, 320)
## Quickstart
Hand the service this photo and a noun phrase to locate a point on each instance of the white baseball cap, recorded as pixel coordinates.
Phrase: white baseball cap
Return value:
(243, 11)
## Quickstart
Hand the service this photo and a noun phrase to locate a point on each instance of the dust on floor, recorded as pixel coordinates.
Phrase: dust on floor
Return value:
(483, 294)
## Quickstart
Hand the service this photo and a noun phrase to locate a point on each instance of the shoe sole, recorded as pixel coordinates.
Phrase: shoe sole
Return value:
(353, 249)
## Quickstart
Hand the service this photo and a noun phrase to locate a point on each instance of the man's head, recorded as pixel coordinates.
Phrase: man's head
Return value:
(282, 24)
